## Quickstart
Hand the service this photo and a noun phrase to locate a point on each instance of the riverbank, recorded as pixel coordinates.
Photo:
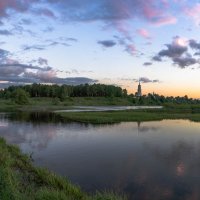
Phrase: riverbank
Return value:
(169, 111)
(20, 180)
(48, 104)
(132, 115)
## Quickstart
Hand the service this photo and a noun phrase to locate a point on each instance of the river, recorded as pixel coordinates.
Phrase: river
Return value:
(144, 160)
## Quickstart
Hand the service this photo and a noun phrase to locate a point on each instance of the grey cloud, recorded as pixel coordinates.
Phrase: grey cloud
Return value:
(48, 43)
(130, 49)
(87, 10)
(194, 44)
(147, 80)
(126, 43)
(107, 43)
(74, 80)
(5, 32)
(55, 43)
(24, 66)
(45, 12)
(111, 10)
(17, 5)
(48, 29)
(71, 39)
(26, 21)
(147, 64)
(179, 53)
(183, 62)
(173, 50)
(34, 47)
(157, 58)
(3, 54)
(197, 54)
(15, 74)
(42, 61)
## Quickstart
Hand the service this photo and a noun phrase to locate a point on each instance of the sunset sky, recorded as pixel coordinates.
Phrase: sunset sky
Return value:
(102, 41)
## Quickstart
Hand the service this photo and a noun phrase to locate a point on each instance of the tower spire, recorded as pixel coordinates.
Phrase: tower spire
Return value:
(139, 90)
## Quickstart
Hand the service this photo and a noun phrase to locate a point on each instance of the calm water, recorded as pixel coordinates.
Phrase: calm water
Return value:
(150, 160)
(106, 108)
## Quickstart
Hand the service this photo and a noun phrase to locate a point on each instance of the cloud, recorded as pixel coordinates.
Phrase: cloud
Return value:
(69, 39)
(107, 43)
(178, 52)
(3, 55)
(166, 21)
(45, 12)
(193, 12)
(115, 13)
(130, 48)
(20, 74)
(14, 73)
(147, 64)
(42, 61)
(112, 10)
(5, 32)
(157, 58)
(26, 21)
(34, 47)
(41, 47)
(147, 80)
(16, 5)
(194, 44)
(144, 33)
(63, 41)
(173, 50)
(183, 62)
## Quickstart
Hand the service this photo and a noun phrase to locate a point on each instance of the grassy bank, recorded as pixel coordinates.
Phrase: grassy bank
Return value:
(47, 104)
(131, 115)
(170, 110)
(20, 180)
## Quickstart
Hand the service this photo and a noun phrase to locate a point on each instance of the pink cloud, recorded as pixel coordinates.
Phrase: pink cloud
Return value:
(166, 21)
(19, 6)
(149, 10)
(130, 48)
(194, 13)
(46, 12)
(143, 32)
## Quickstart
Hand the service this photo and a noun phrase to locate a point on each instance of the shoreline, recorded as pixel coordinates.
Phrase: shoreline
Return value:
(20, 180)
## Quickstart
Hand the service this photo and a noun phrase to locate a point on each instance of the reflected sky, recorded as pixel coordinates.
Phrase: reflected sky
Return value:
(146, 160)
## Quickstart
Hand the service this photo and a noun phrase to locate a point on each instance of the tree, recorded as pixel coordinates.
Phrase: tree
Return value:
(20, 96)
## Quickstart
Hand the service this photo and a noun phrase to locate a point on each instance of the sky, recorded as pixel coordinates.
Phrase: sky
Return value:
(102, 41)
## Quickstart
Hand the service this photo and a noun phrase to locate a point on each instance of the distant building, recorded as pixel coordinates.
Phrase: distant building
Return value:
(139, 91)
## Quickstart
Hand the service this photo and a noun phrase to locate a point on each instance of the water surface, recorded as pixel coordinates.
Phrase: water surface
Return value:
(106, 108)
(150, 160)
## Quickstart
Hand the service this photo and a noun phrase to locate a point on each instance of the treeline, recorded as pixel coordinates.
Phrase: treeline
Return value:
(20, 94)
(64, 91)
(156, 99)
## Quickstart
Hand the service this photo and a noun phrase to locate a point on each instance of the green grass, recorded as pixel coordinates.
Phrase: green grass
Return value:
(20, 180)
(48, 104)
(130, 115)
